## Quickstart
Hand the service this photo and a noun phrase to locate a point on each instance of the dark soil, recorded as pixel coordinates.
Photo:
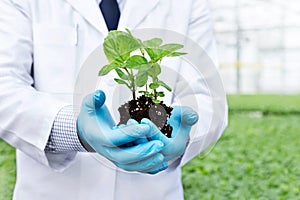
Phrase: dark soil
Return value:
(143, 107)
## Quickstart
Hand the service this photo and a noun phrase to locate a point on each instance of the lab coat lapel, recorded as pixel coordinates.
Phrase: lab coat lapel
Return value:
(91, 12)
(135, 12)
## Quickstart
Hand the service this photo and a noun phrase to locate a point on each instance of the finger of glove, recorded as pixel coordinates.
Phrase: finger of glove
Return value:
(132, 121)
(177, 144)
(163, 167)
(172, 152)
(121, 135)
(121, 126)
(102, 135)
(185, 115)
(99, 132)
(157, 168)
(126, 134)
(126, 155)
(189, 117)
(170, 144)
(153, 163)
(182, 119)
(140, 140)
(129, 122)
(155, 133)
(173, 156)
(98, 125)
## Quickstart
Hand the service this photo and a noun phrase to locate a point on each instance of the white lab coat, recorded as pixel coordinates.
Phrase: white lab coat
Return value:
(42, 46)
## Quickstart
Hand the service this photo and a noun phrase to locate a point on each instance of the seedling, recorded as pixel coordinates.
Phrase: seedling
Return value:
(137, 65)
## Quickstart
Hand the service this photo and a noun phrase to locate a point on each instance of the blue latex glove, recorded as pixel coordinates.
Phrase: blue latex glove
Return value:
(95, 128)
(182, 119)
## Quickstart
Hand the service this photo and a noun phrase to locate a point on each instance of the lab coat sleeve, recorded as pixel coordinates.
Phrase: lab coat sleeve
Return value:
(26, 115)
(201, 31)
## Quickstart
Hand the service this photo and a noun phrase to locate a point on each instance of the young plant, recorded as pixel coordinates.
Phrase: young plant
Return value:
(118, 46)
(156, 51)
(137, 63)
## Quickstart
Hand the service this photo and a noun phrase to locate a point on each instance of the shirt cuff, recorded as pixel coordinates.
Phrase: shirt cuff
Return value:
(63, 137)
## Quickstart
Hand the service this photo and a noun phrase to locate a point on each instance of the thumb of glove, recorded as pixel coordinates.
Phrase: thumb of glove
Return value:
(99, 99)
(189, 117)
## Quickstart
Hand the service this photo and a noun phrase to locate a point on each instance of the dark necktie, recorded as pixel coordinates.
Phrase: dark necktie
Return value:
(111, 13)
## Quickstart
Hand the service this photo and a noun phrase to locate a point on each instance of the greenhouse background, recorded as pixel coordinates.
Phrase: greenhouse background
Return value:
(259, 45)
(257, 156)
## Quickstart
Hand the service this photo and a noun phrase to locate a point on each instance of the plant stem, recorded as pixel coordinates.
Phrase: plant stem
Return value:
(153, 80)
(155, 94)
(133, 86)
(131, 82)
(133, 95)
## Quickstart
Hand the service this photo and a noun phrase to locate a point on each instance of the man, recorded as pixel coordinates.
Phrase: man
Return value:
(43, 45)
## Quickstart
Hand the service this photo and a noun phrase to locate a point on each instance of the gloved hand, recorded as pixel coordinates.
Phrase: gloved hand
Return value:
(95, 124)
(182, 119)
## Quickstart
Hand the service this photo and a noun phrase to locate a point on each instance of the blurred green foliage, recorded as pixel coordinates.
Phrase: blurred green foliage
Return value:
(7, 170)
(258, 156)
(268, 104)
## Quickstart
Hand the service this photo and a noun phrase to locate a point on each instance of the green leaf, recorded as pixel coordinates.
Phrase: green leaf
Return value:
(137, 39)
(174, 54)
(161, 83)
(167, 49)
(160, 94)
(141, 79)
(107, 68)
(145, 67)
(129, 32)
(118, 45)
(158, 52)
(154, 42)
(153, 86)
(123, 57)
(144, 92)
(121, 81)
(156, 101)
(121, 74)
(152, 52)
(171, 47)
(155, 70)
(136, 61)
